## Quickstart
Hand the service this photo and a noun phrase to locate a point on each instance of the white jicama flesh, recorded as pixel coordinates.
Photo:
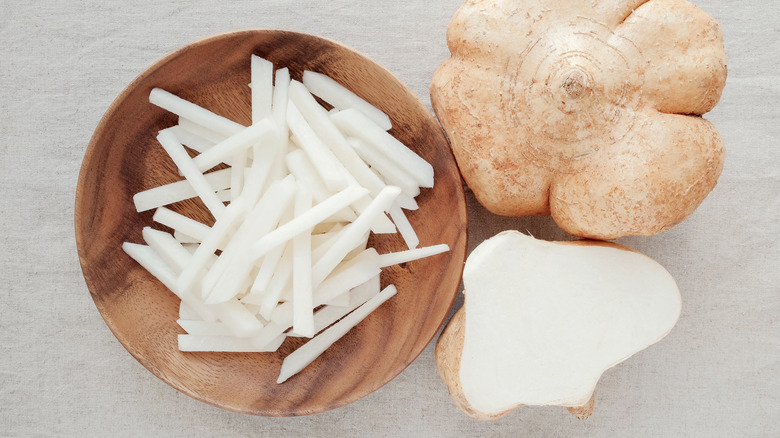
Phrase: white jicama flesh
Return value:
(304, 188)
(178, 191)
(304, 355)
(565, 314)
(342, 98)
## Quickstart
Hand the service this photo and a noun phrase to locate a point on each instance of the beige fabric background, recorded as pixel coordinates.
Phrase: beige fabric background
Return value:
(62, 373)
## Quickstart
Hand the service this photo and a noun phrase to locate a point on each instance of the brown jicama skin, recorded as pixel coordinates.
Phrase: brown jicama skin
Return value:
(586, 110)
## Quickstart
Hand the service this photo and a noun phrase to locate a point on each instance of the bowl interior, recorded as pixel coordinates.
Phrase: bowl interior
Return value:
(124, 158)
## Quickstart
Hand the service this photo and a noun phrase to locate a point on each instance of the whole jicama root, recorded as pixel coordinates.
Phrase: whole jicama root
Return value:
(589, 111)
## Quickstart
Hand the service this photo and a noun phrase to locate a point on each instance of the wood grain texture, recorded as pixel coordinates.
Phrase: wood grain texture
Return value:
(124, 158)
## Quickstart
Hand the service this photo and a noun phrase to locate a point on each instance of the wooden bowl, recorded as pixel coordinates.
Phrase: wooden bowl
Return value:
(124, 158)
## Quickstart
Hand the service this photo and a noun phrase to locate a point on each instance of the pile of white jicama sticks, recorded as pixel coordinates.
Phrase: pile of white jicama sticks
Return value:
(287, 255)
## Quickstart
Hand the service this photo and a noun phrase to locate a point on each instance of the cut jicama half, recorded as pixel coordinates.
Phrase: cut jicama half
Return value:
(543, 320)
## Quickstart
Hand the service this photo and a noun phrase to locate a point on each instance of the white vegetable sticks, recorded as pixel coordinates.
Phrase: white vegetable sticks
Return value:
(234, 264)
(167, 247)
(404, 227)
(210, 243)
(342, 98)
(355, 124)
(357, 171)
(224, 150)
(303, 307)
(185, 164)
(155, 265)
(181, 223)
(192, 140)
(307, 220)
(392, 173)
(303, 356)
(262, 72)
(205, 134)
(221, 343)
(193, 112)
(409, 255)
(332, 172)
(279, 100)
(327, 315)
(320, 122)
(305, 188)
(178, 191)
(353, 234)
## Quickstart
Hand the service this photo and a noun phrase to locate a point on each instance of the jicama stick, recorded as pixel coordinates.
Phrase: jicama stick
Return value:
(349, 275)
(267, 266)
(406, 202)
(191, 111)
(262, 217)
(181, 223)
(237, 178)
(307, 220)
(186, 166)
(262, 72)
(191, 139)
(304, 355)
(204, 132)
(393, 174)
(227, 344)
(320, 123)
(327, 315)
(260, 173)
(234, 264)
(204, 328)
(306, 175)
(332, 172)
(357, 171)
(224, 150)
(185, 240)
(155, 265)
(237, 318)
(186, 312)
(279, 282)
(352, 234)
(404, 227)
(303, 308)
(279, 101)
(342, 98)
(167, 247)
(178, 191)
(394, 258)
(357, 125)
(222, 228)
